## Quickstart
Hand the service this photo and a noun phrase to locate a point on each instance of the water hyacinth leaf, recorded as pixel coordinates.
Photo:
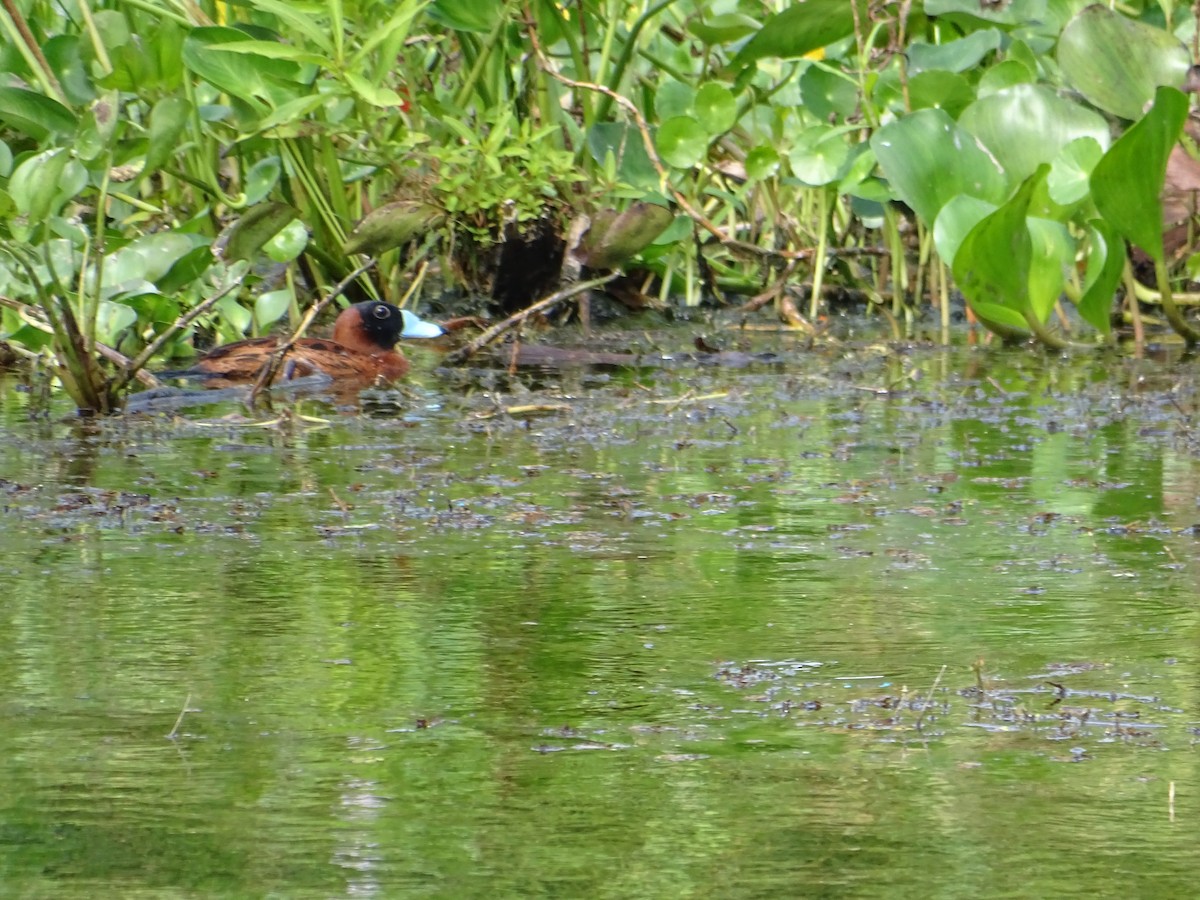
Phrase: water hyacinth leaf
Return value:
(289, 243)
(1105, 265)
(63, 54)
(256, 80)
(476, 16)
(112, 319)
(992, 265)
(1003, 75)
(723, 29)
(1070, 171)
(1051, 251)
(34, 185)
(615, 237)
(954, 56)
(1027, 125)
(802, 28)
(1016, 12)
(1128, 180)
(6, 160)
(681, 141)
(393, 225)
(34, 114)
(827, 92)
(927, 159)
(940, 90)
(257, 225)
(624, 143)
(818, 155)
(1116, 62)
(673, 98)
(148, 258)
(715, 108)
(235, 319)
(261, 179)
(168, 118)
(187, 270)
(270, 307)
(958, 216)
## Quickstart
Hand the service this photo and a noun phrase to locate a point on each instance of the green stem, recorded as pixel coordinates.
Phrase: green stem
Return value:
(819, 257)
(1189, 334)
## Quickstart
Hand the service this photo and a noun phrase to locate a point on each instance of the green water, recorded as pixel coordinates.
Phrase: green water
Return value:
(683, 637)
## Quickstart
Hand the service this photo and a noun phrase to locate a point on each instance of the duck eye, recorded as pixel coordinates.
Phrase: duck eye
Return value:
(382, 312)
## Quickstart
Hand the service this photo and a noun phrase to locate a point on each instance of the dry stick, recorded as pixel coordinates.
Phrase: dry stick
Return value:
(183, 712)
(271, 368)
(929, 699)
(133, 367)
(464, 353)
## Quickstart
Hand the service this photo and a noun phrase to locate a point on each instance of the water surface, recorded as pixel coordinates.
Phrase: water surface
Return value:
(900, 622)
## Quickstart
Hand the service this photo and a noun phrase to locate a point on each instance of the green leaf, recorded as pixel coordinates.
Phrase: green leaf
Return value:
(393, 225)
(715, 108)
(1127, 182)
(477, 16)
(374, 94)
(168, 118)
(34, 184)
(308, 19)
(34, 114)
(927, 159)
(1070, 171)
(1116, 63)
(258, 224)
(827, 92)
(992, 265)
(957, 217)
(723, 29)
(673, 98)
(1015, 12)
(256, 80)
(270, 307)
(288, 243)
(1105, 264)
(1051, 251)
(681, 141)
(802, 28)
(762, 162)
(937, 89)
(624, 142)
(615, 237)
(818, 154)
(954, 56)
(1027, 125)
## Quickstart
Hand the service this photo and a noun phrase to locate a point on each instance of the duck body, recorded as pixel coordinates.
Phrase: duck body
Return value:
(362, 350)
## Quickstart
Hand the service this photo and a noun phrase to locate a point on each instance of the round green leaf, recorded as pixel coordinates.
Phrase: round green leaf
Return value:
(288, 243)
(261, 179)
(827, 92)
(937, 89)
(681, 141)
(762, 162)
(954, 56)
(1067, 182)
(716, 110)
(270, 307)
(673, 98)
(958, 216)
(927, 159)
(1116, 63)
(817, 157)
(1026, 125)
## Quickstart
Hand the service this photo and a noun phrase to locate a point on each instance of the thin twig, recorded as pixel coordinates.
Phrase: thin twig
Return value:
(490, 336)
(929, 698)
(183, 712)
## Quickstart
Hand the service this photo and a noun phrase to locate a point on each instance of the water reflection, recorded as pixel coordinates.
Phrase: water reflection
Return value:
(641, 649)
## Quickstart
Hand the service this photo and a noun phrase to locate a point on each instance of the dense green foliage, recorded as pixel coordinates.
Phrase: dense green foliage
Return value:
(161, 159)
